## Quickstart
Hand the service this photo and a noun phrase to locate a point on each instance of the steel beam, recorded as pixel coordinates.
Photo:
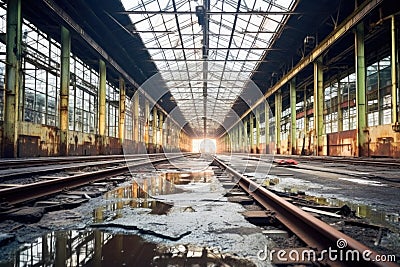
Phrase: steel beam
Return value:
(122, 110)
(251, 133)
(258, 130)
(278, 117)
(102, 98)
(240, 130)
(347, 25)
(219, 13)
(136, 117)
(12, 79)
(318, 107)
(160, 127)
(245, 136)
(293, 132)
(339, 108)
(154, 128)
(360, 91)
(267, 134)
(64, 92)
(81, 32)
(147, 122)
(394, 70)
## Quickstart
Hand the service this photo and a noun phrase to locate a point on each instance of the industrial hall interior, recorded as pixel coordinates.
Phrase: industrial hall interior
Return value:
(199, 132)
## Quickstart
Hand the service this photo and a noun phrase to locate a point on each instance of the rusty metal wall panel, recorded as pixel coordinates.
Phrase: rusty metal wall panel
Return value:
(28, 146)
(342, 143)
(383, 142)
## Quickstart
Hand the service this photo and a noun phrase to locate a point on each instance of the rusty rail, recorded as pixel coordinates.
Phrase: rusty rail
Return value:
(315, 233)
(24, 193)
(31, 162)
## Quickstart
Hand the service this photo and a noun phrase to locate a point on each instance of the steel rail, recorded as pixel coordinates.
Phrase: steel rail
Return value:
(24, 193)
(353, 161)
(315, 233)
(12, 163)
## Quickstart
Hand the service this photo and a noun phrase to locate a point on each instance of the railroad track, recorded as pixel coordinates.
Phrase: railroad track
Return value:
(32, 162)
(354, 161)
(18, 194)
(51, 165)
(315, 233)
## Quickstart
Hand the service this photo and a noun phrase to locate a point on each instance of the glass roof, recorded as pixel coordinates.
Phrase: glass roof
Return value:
(238, 32)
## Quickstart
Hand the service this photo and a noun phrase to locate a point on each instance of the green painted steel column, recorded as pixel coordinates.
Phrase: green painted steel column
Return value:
(394, 68)
(64, 92)
(360, 90)
(122, 110)
(245, 136)
(237, 138)
(278, 116)
(318, 106)
(267, 135)
(240, 137)
(154, 129)
(339, 108)
(136, 117)
(251, 132)
(293, 132)
(305, 137)
(102, 98)
(12, 79)
(160, 127)
(146, 137)
(258, 130)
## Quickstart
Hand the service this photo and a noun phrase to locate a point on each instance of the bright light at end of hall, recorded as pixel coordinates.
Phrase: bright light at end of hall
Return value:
(207, 146)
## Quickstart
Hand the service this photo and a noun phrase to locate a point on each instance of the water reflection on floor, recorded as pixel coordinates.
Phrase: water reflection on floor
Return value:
(361, 210)
(98, 248)
(139, 193)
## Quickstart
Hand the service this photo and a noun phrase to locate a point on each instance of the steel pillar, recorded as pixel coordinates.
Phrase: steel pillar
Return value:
(293, 142)
(245, 136)
(360, 90)
(147, 122)
(102, 98)
(154, 129)
(257, 130)
(305, 137)
(12, 79)
(160, 127)
(251, 132)
(240, 130)
(339, 108)
(394, 68)
(278, 116)
(267, 135)
(122, 109)
(136, 117)
(318, 107)
(64, 92)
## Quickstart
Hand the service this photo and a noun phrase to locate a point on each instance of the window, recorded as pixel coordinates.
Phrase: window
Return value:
(378, 92)
(41, 68)
(112, 110)
(82, 97)
(128, 119)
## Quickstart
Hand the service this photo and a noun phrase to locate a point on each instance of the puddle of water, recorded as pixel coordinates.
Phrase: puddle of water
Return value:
(361, 210)
(183, 178)
(114, 210)
(136, 197)
(98, 248)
